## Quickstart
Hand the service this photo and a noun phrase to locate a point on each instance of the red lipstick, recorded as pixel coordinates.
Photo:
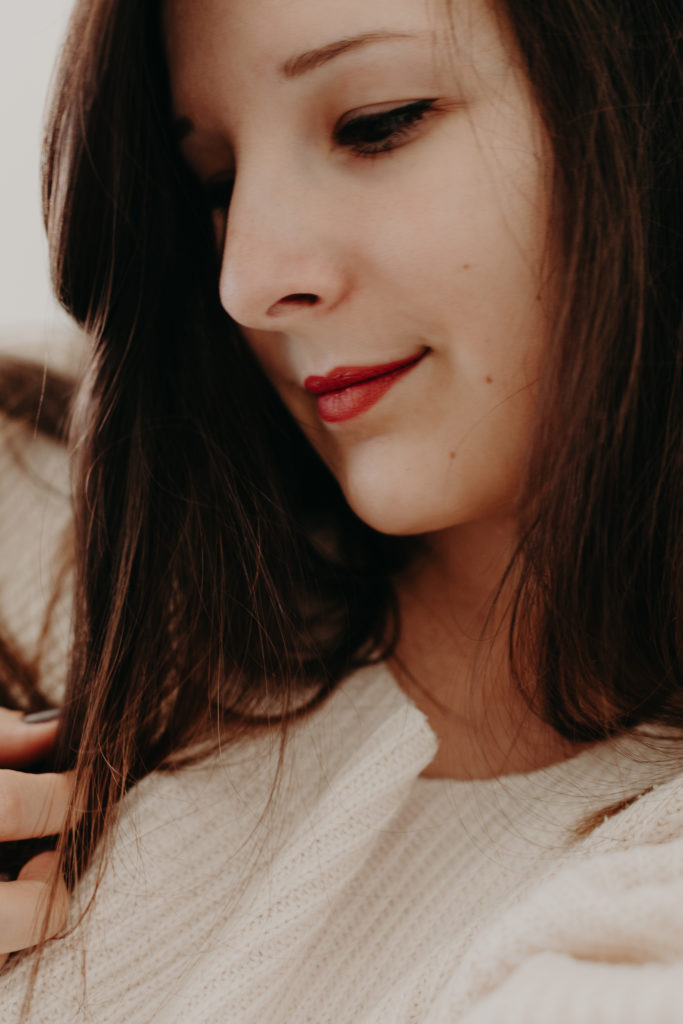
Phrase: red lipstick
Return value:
(347, 391)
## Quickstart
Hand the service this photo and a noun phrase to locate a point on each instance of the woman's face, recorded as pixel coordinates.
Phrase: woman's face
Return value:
(381, 197)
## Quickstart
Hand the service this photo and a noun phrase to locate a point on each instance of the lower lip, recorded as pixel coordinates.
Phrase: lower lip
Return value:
(337, 406)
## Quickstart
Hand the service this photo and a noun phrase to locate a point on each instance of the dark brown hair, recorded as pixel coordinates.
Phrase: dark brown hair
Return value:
(220, 574)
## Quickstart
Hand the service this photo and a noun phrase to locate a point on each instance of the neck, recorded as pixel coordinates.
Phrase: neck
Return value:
(452, 658)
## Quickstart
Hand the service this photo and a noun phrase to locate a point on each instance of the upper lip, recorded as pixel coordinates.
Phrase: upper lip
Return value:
(344, 376)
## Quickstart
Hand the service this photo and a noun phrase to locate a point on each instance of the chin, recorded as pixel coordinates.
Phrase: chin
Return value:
(399, 514)
(410, 505)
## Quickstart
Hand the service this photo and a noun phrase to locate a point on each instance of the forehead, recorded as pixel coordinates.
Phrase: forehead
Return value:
(219, 47)
(267, 23)
(214, 44)
(269, 28)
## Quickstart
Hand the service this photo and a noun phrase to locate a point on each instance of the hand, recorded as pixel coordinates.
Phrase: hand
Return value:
(30, 806)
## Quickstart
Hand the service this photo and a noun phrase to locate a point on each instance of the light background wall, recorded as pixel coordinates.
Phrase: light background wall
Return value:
(30, 35)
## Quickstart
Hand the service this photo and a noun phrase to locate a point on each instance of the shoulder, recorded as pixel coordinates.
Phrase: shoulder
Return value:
(208, 880)
(600, 940)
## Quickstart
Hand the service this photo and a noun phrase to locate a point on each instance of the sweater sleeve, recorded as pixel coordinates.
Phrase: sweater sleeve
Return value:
(559, 988)
(35, 550)
(601, 942)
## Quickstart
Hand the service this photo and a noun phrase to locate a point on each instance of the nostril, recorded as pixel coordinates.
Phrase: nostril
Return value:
(295, 299)
(300, 298)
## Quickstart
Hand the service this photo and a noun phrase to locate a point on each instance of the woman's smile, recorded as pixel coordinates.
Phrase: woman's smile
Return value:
(347, 391)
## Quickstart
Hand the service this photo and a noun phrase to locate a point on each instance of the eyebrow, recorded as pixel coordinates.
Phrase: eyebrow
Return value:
(309, 61)
(312, 59)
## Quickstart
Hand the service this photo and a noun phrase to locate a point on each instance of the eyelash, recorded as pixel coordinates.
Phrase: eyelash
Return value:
(367, 135)
(371, 134)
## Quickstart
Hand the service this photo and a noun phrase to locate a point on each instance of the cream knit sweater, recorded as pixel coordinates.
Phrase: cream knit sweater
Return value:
(362, 893)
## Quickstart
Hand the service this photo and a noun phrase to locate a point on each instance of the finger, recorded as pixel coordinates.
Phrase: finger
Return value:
(22, 742)
(25, 903)
(33, 805)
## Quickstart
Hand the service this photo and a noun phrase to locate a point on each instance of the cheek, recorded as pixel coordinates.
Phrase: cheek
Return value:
(447, 247)
(279, 358)
(460, 233)
(276, 356)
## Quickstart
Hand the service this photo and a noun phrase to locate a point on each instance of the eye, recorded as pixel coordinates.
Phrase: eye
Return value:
(370, 134)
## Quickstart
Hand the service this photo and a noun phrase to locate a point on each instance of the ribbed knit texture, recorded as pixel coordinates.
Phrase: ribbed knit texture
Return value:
(34, 534)
(365, 893)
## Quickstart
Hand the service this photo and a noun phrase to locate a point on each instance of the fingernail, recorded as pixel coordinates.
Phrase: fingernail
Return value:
(38, 717)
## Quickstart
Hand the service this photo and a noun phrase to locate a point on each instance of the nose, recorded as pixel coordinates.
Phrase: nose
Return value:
(281, 258)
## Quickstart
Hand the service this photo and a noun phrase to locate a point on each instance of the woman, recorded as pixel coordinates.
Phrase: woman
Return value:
(379, 452)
